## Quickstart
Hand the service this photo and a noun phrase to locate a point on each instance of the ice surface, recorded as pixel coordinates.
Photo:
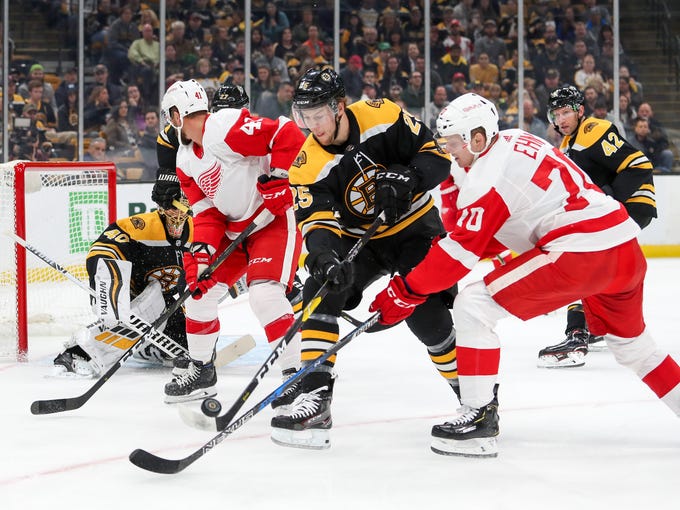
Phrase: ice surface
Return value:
(591, 437)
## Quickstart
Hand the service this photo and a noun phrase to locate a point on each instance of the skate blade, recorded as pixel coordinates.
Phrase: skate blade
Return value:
(572, 360)
(201, 394)
(477, 447)
(309, 439)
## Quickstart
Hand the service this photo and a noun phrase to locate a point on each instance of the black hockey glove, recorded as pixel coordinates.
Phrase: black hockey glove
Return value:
(166, 188)
(327, 266)
(394, 191)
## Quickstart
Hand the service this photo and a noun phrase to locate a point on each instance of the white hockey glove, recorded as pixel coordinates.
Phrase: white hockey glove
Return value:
(112, 291)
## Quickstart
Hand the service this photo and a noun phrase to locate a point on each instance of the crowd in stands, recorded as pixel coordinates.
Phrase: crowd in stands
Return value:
(474, 48)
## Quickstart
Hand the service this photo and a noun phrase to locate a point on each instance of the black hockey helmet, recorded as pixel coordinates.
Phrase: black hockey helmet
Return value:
(318, 87)
(565, 96)
(229, 96)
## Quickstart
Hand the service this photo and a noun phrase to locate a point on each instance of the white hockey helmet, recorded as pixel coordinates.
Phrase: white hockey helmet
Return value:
(187, 96)
(467, 113)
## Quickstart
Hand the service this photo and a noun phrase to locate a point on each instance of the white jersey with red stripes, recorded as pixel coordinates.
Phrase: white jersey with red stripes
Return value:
(220, 177)
(523, 193)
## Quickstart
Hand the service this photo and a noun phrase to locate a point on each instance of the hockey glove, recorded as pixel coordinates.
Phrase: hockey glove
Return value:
(327, 267)
(195, 262)
(276, 194)
(396, 302)
(166, 188)
(394, 191)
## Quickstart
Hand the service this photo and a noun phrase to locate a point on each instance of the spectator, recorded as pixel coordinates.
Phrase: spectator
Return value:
(600, 111)
(484, 71)
(269, 57)
(438, 103)
(148, 139)
(587, 72)
(96, 27)
(627, 114)
(195, 32)
(101, 78)
(286, 47)
(414, 28)
(580, 32)
(313, 43)
(352, 78)
(590, 95)
(457, 87)
(273, 106)
(70, 78)
(368, 92)
(414, 94)
(368, 14)
(387, 25)
(37, 72)
(393, 74)
(456, 37)
(173, 67)
(370, 78)
(120, 37)
(491, 44)
(532, 123)
(35, 98)
(435, 78)
(186, 53)
(551, 82)
(629, 87)
(349, 33)
(67, 114)
(368, 44)
(221, 44)
(121, 134)
(408, 63)
(579, 51)
(96, 151)
(137, 107)
(274, 22)
(453, 62)
(661, 158)
(144, 55)
(96, 109)
(263, 83)
(301, 29)
(552, 56)
(462, 12)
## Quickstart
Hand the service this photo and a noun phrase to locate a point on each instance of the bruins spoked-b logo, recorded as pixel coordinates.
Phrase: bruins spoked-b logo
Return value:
(360, 192)
(167, 276)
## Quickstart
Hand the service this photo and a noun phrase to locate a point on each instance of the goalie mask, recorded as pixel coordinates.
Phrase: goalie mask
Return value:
(175, 217)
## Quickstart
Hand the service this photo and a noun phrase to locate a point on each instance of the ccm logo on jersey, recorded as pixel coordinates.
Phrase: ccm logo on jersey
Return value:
(260, 260)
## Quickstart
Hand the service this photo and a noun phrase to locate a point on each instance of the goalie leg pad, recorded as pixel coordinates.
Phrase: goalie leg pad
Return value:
(112, 290)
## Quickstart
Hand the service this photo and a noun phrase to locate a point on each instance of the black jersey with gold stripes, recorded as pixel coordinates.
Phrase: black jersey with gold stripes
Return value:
(334, 186)
(615, 166)
(143, 240)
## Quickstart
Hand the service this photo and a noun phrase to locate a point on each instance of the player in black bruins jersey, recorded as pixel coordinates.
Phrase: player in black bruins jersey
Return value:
(360, 160)
(153, 243)
(622, 171)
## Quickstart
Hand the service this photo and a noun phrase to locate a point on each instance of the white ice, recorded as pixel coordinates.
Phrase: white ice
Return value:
(586, 438)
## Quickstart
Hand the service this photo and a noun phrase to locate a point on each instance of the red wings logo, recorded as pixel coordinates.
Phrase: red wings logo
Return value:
(210, 180)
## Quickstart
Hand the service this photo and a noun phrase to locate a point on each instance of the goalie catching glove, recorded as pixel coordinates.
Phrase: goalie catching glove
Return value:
(166, 188)
(394, 191)
(195, 262)
(396, 302)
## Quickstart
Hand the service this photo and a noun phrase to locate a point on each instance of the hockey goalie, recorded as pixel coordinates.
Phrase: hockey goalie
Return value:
(135, 268)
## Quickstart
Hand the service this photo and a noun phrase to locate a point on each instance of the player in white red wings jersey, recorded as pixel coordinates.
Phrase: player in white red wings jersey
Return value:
(232, 167)
(574, 243)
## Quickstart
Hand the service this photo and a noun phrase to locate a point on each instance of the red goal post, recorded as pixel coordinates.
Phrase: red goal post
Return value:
(60, 208)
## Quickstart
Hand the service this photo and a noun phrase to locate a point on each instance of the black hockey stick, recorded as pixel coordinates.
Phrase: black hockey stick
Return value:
(223, 421)
(150, 462)
(59, 405)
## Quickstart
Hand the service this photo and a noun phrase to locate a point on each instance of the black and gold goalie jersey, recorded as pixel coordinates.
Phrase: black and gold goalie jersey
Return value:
(143, 240)
(614, 165)
(334, 186)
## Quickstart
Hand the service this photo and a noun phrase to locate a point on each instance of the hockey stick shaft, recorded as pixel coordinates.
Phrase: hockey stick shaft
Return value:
(223, 421)
(69, 404)
(150, 462)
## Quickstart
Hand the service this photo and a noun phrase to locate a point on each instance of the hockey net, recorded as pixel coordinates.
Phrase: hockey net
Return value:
(60, 208)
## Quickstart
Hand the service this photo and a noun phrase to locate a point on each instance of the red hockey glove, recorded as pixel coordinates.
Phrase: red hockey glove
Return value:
(396, 302)
(276, 194)
(195, 262)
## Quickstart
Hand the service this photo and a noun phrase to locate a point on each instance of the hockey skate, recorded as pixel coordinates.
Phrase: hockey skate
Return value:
(197, 382)
(282, 404)
(308, 421)
(570, 353)
(471, 434)
(596, 343)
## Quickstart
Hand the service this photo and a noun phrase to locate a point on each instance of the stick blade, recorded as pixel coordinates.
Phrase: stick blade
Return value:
(57, 405)
(150, 462)
(234, 350)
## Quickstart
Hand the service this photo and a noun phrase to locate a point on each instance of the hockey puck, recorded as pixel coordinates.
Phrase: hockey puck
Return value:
(211, 407)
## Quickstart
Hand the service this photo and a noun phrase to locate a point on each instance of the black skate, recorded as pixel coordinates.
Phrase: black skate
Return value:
(472, 434)
(282, 404)
(197, 382)
(308, 420)
(570, 353)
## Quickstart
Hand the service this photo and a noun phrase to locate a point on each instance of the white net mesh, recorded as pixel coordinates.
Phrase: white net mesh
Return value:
(65, 208)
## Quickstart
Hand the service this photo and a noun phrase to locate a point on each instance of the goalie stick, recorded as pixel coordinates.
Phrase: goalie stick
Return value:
(150, 462)
(306, 312)
(71, 403)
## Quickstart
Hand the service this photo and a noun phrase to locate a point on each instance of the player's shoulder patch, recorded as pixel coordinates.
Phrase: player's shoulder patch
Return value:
(309, 163)
(591, 130)
(138, 222)
(375, 112)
